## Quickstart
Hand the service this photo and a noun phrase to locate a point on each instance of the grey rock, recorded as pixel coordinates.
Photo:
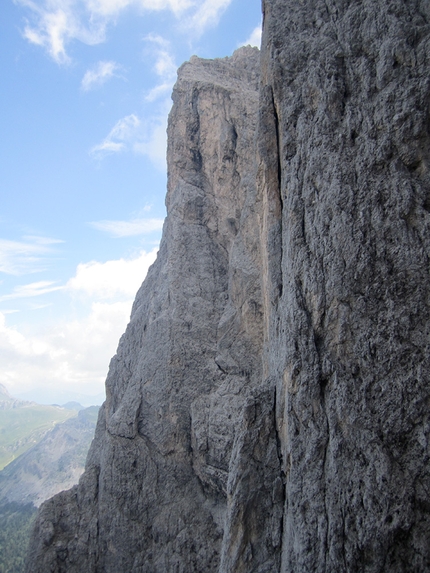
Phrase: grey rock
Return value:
(154, 494)
(346, 88)
(267, 409)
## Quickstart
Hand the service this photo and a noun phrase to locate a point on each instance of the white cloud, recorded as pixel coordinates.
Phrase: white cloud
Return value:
(26, 256)
(98, 75)
(133, 134)
(112, 278)
(125, 131)
(52, 33)
(55, 23)
(254, 39)
(128, 228)
(165, 66)
(208, 14)
(70, 355)
(73, 355)
(31, 290)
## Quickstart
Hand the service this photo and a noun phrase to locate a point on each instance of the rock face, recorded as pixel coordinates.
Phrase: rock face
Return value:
(348, 86)
(267, 409)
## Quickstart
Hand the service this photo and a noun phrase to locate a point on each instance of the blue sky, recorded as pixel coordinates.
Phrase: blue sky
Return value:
(85, 96)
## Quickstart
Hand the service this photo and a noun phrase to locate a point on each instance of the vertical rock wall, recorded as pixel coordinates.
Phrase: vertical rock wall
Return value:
(268, 407)
(346, 90)
(154, 494)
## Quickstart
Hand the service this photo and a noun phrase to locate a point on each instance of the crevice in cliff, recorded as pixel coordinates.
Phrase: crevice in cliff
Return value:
(278, 147)
(323, 386)
(279, 179)
(282, 475)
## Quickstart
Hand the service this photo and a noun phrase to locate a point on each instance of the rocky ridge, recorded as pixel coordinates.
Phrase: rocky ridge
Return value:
(8, 402)
(267, 409)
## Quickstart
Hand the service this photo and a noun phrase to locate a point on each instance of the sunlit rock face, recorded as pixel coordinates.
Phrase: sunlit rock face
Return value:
(154, 494)
(268, 406)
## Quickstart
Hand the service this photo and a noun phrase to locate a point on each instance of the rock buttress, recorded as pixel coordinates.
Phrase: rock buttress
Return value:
(345, 97)
(154, 494)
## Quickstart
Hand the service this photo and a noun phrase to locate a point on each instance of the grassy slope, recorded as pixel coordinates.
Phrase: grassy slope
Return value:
(21, 428)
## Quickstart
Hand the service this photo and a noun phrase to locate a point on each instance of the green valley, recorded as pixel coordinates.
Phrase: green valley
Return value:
(23, 424)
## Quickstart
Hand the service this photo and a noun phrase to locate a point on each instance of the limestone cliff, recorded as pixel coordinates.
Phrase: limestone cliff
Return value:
(347, 85)
(267, 409)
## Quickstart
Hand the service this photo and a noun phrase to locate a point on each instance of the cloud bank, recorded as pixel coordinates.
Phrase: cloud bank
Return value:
(73, 354)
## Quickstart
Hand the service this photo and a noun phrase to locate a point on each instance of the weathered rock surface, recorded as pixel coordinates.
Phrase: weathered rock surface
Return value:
(268, 407)
(348, 86)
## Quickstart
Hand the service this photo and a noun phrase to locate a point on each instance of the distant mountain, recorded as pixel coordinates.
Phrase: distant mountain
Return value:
(54, 464)
(61, 396)
(73, 406)
(49, 466)
(23, 424)
(8, 402)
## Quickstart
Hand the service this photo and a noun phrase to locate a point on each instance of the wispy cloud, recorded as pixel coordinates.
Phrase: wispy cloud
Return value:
(254, 39)
(165, 66)
(53, 24)
(129, 228)
(26, 256)
(124, 132)
(38, 240)
(32, 290)
(112, 278)
(99, 75)
(138, 136)
(207, 14)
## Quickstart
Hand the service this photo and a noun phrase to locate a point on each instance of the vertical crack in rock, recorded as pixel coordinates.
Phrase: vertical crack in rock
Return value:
(282, 476)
